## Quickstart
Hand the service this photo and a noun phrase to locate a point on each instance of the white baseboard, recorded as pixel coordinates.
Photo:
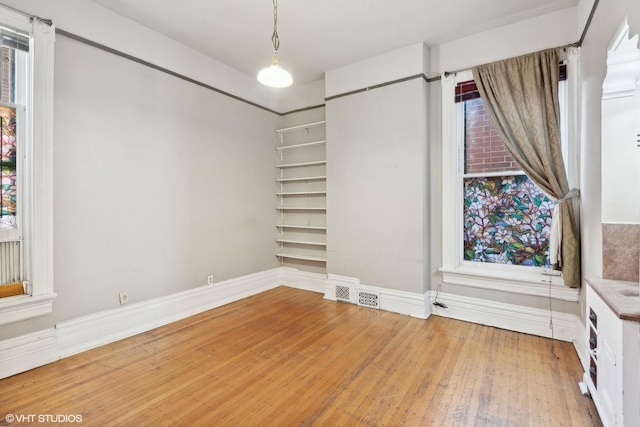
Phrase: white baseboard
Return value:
(402, 302)
(314, 282)
(27, 352)
(408, 303)
(84, 333)
(512, 317)
(70, 337)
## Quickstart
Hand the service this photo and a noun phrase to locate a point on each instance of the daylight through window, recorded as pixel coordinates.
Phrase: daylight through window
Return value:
(506, 218)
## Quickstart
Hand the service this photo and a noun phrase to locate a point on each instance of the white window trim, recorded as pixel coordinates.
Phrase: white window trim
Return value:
(504, 278)
(39, 137)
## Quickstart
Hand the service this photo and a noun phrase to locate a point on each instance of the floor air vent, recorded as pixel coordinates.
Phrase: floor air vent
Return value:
(368, 299)
(342, 293)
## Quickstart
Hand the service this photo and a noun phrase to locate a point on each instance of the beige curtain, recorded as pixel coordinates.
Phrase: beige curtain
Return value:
(521, 95)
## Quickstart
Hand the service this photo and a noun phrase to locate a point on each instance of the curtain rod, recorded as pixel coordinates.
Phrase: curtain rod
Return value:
(449, 73)
(49, 22)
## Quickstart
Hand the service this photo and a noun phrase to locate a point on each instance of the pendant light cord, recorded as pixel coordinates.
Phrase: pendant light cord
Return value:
(275, 41)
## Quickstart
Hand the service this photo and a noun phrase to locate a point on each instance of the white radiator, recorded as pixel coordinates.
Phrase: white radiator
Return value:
(11, 270)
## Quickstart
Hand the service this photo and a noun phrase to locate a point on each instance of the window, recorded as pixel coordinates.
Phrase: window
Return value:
(14, 72)
(26, 165)
(506, 218)
(496, 222)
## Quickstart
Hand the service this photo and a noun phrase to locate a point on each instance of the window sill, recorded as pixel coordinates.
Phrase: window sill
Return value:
(507, 280)
(15, 309)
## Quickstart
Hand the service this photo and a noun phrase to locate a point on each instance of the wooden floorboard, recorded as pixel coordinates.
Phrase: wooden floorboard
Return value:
(288, 357)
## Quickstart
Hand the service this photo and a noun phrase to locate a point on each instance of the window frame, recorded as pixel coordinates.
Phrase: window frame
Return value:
(38, 169)
(537, 281)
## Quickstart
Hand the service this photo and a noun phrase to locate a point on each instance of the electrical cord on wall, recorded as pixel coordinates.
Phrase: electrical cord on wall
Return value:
(553, 340)
(435, 299)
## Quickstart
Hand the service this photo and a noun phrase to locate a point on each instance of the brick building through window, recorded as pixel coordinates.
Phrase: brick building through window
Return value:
(484, 150)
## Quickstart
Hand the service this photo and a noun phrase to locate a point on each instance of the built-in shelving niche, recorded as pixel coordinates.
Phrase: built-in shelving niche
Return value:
(302, 196)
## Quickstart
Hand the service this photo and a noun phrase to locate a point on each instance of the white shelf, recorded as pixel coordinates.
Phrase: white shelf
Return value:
(301, 227)
(301, 193)
(303, 257)
(296, 165)
(301, 127)
(304, 178)
(303, 145)
(301, 242)
(305, 149)
(299, 208)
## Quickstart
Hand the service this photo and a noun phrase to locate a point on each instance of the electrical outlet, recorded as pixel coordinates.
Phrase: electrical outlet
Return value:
(210, 279)
(124, 297)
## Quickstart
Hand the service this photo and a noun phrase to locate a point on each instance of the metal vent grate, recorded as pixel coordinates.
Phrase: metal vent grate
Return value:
(342, 293)
(369, 299)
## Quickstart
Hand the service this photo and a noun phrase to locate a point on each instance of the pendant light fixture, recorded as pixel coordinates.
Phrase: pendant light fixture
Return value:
(275, 76)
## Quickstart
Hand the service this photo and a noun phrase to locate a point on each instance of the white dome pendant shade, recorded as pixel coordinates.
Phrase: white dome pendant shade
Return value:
(275, 76)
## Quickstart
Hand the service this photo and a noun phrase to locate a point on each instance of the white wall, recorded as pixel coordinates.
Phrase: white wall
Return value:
(397, 64)
(620, 160)
(530, 35)
(542, 32)
(158, 183)
(107, 108)
(621, 130)
(377, 184)
(301, 97)
(606, 21)
(359, 125)
(96, 23)
(539, 33)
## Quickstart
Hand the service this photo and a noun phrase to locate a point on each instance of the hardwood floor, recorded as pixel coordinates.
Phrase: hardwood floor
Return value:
(287, 357)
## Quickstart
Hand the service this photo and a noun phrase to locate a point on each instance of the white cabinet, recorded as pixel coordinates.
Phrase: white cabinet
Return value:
(613, 378)
(301, 194)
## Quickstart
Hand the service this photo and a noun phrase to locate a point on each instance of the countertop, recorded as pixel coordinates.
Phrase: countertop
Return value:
(625, 307)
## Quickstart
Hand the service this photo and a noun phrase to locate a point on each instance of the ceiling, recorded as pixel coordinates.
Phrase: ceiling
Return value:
(319, 35)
